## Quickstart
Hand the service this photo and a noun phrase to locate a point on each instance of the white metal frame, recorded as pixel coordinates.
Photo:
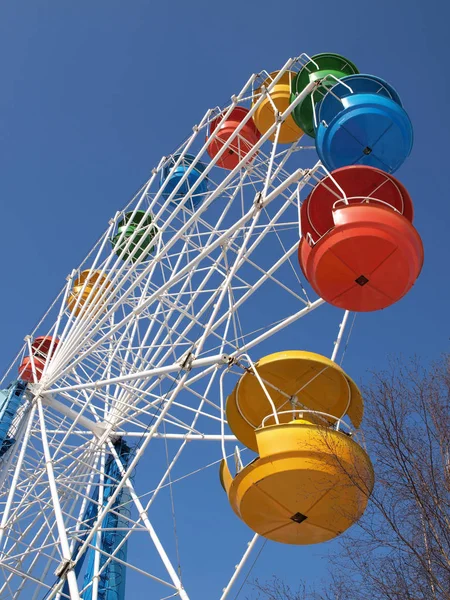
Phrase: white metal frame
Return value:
(149, 347)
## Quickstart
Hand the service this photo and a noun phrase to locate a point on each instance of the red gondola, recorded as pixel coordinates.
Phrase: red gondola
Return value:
(40, 347)
(241, 144)
(364, 255)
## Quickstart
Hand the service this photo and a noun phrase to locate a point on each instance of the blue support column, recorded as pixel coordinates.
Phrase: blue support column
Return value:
(113, 577)
(10, 400)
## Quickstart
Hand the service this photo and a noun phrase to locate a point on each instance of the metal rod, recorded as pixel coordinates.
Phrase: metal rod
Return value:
(201, 362)
(240, 565)
(65, 550)
(337, 343)
(15, 479)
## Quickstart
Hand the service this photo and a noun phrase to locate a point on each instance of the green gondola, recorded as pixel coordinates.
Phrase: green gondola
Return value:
(142, 241)
(317, 68)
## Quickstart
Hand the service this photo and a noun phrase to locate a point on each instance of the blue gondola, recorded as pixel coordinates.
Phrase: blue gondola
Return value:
(361, 121)
(171, 177)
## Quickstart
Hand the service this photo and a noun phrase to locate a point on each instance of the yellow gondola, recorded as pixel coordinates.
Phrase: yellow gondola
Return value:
(296, 379)
(309, 484)
(88, 281)
(311, 481)
(280, 96)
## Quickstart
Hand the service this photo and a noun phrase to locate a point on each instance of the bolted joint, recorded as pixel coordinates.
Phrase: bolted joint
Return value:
(227, 360)
(232, 361)
(64, 567)
(293, 401)
(186, 362)
(71, 275)
(35, 394)
(224, 245)
(258, 200)
(115, 218)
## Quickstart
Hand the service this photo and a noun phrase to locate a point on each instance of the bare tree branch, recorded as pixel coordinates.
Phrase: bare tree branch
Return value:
(400, 549)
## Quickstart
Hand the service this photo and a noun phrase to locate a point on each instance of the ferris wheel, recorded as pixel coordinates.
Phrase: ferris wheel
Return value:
(162, 355)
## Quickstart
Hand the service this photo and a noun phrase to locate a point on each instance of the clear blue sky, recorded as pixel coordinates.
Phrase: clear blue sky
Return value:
(93, 93)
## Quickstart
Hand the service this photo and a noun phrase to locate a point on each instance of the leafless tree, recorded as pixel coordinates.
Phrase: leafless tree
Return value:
(400, 549)
(277, 589)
